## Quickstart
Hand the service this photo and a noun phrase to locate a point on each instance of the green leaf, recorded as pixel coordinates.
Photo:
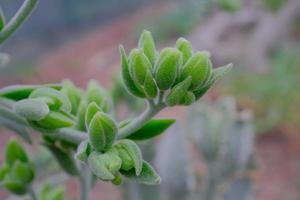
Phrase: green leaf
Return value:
(73, 94)
(150, 87)
(31, 109)
(81, 125)
(130, 154)
(4, 170)
(148, 175)
(131, 87)
(178, 92)
(216, 74)
(91, 110)
(2, 20)
(102, 131)
(199, 67)
(95, 93)
(55, 120)
(139, 66)
(146, 43)
(22, 172)
(152, 128)
(60, 100)
(104, 166)
(83, 151)
(14, 152)
(166, 68)
(64, 159)
(19, 92)
(14, 186)
(185, 48)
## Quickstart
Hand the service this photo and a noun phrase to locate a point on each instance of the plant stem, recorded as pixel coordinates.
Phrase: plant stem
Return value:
(85, 182)
(31, 193)
(141, 120)
(71, 135)
(76, 137)
(19, 18)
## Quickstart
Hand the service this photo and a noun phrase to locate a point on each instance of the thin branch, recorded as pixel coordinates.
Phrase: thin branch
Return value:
(32, 193)
(141, 120)
(19, 18)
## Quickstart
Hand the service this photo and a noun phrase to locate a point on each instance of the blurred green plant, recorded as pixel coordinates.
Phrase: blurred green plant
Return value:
(219, 134)
(224, 135)
(172, 23)
(79, 126)
(271, 95)
(273, 5)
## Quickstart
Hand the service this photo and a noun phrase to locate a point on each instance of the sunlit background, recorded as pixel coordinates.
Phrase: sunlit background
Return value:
(240, 142)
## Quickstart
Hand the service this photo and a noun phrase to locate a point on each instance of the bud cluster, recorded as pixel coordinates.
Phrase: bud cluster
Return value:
(106, 158)
(17, 173)
(177, 71)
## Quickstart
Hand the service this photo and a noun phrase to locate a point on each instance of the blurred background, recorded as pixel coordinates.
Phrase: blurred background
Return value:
(240, 142)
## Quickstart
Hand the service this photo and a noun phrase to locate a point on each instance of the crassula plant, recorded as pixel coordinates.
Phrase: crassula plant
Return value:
(79, 126)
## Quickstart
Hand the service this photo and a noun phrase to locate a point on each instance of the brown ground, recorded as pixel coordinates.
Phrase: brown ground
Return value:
(278, 175)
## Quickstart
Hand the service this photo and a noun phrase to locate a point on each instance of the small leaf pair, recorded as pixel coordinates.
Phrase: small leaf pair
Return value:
(137, 69)
(102, 129)
(17, 172)
(46, 109)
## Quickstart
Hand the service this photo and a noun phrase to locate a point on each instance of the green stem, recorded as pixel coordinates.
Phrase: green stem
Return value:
(138, 122)
(31, 193)
(85, 182)
(19, 18)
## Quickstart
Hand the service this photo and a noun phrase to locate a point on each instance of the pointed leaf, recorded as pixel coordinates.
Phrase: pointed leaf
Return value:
(129, 148)
(131, 87)
(152, 128)
(148, 175)
(19, 92)
(31, 109)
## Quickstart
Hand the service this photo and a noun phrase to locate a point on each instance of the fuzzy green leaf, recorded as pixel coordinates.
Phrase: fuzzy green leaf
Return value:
(199, 67)
(22, 172)
(178, 92)
(81, 125)
(150, 86)
(91, 110)
(95, 93)
(14, 186)
(31, 109)
(2, 20)
(166, 68)
(139, 66)
(185, 48)
(59, 100)
(104, 166)
(102, 131)
(130, 155)
(216, 74)
(83, 151)
(152, 128)
(146, 43)
(19, 92)
(73, 94)
(148, 175)
(14, 152)
(131, 87)
(55, 120)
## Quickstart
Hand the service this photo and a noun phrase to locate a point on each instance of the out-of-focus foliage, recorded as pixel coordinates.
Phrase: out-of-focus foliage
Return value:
(179, 20)
(273, 5)
(219, 134)
(273, 95)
